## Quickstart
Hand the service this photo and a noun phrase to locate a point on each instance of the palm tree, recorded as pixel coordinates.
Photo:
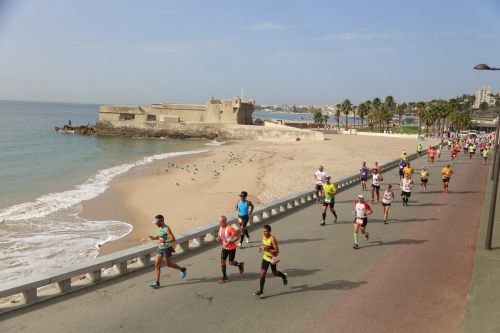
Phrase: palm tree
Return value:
(400, 108)
(420, 114)
(362, 111)
(338, 109)
(346, 107)
(318, 117)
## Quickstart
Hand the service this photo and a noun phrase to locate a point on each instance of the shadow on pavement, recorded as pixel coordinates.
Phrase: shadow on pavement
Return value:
(397, 242)
(338, 285)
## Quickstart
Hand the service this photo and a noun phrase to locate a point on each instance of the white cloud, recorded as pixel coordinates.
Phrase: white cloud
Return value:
(270, 25)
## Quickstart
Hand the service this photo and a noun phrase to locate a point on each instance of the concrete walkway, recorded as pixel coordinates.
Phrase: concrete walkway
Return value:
(483, 303)
(411, 276)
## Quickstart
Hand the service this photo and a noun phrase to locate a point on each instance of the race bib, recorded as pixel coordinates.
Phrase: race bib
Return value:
(275, 260)
(359, 221)
(328, 200)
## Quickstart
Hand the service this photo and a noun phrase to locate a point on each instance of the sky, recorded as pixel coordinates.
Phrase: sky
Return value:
(280, 52)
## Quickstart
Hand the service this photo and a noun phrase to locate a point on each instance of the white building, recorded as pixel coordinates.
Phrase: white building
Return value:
(484, 94)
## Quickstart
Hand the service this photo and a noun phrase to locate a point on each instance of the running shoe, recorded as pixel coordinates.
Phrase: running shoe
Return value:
(385, 222)
(223, 280)
(183, 273)
(239, 245)
(258, 293)
(285, 279)
(356, 246)
(155, 285)
(367, 236)
(241, 267)
(248, 239)
(322, 223)
(335, 218)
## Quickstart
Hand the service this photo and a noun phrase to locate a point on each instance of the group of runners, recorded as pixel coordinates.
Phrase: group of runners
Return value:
(325, 192)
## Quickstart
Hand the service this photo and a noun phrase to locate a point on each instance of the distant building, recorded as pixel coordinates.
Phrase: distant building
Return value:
(484, 94)
(216, 111)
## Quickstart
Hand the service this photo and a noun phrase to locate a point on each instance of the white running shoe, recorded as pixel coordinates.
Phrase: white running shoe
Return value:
(248, 239)
(239, 245)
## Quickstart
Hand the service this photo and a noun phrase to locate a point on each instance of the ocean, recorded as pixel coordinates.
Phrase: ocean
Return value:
(45, 176)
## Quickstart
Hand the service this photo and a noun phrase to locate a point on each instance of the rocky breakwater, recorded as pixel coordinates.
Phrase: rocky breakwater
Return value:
(80, 130)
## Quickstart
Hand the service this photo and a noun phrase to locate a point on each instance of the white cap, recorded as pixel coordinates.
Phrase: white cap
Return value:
(361, 196)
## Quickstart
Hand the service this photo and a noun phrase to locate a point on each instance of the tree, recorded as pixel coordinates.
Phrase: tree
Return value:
(362, 112)
(325, 118)
(318, 117)
(420, 114)
(338, 109)
(346, 107)
(400, 109)
(460, 120)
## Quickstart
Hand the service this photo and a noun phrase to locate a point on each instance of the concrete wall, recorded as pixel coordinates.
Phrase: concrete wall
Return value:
(222, 131)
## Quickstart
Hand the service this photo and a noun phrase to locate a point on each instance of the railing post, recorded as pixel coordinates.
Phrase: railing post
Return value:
(95, 276)
(145, 260)
(30, 296)
(121, 267)
(63, 285)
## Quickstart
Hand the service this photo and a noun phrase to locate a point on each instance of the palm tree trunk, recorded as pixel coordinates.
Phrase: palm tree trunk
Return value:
(419, 126)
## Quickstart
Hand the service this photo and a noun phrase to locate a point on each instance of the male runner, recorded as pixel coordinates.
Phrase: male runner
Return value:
(319, 177)
(431, 153)
(376, 179)
(486, 152)
(454, 153)
(329, 201)
(270, 258)
(408, 170)
(449, 144)
(419, 150)
(424, 178)
(406, 186)
(165, 249)
(438, 152)
(447, 171)
(228, 237)
(376, 167)
(472, 151)
(361, 210)
(387, 198)
(404, 156)
(363, 175)
(244, 208)
(402, 165)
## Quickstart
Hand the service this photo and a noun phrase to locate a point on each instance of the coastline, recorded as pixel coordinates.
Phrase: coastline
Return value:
(196, 189)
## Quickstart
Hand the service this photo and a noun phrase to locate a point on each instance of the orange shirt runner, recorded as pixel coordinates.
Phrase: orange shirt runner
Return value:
(228, 237)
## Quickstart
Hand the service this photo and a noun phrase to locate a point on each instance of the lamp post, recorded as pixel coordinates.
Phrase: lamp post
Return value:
(495, 172)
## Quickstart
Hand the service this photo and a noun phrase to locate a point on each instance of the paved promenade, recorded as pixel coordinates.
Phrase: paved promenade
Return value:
(412, 275)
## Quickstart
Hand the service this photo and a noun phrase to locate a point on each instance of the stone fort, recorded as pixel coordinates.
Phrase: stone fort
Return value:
(215, 111)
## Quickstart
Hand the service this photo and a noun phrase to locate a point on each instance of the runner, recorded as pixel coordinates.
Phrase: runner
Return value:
(376, 179)
(419, 150)
(472, 151)
(449, 144)
(270, 258)
(446, 172)
(363, 175)
(329, 201)
(424, 178)
(438, 152)
(361, 210)
(244, 208)
(165, 249)
(404, 156)
(486, 152)
(376, 167)
(406, 186)
(402, 165)
(408, 170)
(228, 237)
(319, 177)
(431, 153)
(454, 153)
(387, 198)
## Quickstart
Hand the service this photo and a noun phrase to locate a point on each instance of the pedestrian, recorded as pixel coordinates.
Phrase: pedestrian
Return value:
(406, 186)
(446, 172)
(329, 190)
(228, 237)
(486, 152)
(363, 176)
(361, 210)
(244, 208)
(165, 250)
(376, 179)
(270, 258)
(424, 178)
(387, 198)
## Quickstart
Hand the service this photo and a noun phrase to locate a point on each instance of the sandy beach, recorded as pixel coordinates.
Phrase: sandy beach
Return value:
(195, 189)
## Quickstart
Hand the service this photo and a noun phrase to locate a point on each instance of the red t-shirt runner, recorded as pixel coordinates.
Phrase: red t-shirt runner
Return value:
(228, 237)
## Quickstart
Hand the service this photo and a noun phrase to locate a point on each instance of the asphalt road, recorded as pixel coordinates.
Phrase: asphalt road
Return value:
(411, 276)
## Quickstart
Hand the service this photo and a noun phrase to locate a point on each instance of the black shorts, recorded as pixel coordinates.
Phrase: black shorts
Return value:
(165, 252)
(401, 172)
(231, 254)
(385, 204)
(446, 180)
(330, 204)
(319, 187)
(408, 194)
(265, 265)
(365, 221)
(244, 220)
(377, 187)
(424, 180)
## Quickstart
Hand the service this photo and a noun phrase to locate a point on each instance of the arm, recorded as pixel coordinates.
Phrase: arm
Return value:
(275, 249)
(250, 204)
(171, 237)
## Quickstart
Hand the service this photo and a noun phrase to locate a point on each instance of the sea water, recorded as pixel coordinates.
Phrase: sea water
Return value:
(45, 176)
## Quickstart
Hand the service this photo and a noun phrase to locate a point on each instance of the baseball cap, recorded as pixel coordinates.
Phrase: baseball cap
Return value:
(243, 194)
(361, 196)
